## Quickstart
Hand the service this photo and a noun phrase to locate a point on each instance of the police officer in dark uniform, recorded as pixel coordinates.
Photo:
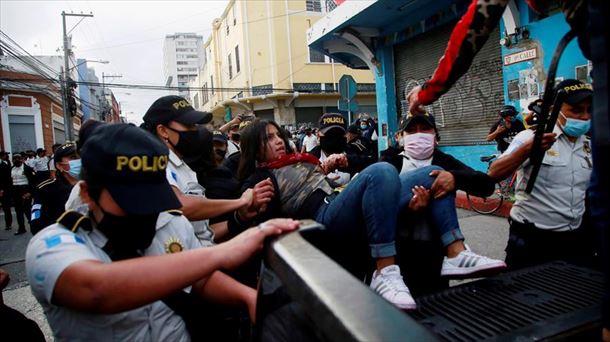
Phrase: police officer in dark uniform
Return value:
(357, 143)
(52, 194)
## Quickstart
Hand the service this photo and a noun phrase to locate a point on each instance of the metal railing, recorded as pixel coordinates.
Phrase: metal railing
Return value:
(337, 306)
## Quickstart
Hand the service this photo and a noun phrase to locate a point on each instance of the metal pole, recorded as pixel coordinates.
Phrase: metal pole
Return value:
(65, 83)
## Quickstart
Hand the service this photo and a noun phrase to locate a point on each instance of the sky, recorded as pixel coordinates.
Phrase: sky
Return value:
(128, 34)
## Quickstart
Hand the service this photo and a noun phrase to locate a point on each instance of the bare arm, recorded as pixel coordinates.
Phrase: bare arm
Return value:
(222, 289)
(225, 128)
(197, 208)
(493, 135)
(96, 287)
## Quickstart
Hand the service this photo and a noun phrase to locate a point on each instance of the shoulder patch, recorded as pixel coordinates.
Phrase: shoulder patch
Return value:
(45, 183)
(72, 220)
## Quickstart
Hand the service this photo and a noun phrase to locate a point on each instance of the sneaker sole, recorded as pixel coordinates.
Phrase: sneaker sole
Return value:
(406, 307)
(475, 272)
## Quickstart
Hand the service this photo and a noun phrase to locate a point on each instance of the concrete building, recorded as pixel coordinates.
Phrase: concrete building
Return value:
(257, 60)
(182, 57)
(401, 41)
(31, 111)
(91, 97)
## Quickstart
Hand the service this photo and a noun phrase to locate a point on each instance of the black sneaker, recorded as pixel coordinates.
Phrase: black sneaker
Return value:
(19, 232)
(8, 228)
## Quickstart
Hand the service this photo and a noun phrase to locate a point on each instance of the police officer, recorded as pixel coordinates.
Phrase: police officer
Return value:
(115, 277)
(546, 225)
(51, 195)
(358, 143)
(176, 123)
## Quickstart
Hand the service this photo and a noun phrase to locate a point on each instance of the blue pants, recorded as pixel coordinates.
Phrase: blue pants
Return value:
(369, 202)
(440, 212)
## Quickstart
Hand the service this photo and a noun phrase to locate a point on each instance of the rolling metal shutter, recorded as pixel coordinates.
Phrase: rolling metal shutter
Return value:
(465, 114)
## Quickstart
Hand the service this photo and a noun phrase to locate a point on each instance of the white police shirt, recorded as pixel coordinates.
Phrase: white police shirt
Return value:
(184, 179)
(55, 248)
(557, 201)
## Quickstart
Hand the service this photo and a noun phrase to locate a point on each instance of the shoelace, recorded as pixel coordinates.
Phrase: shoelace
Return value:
(396, 283)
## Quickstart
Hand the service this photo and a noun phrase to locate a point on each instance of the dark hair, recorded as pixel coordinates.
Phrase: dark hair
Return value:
(508, 110)
(85, 131)
(252, 145)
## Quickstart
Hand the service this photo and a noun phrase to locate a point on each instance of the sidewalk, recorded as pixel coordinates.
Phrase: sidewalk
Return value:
(461, 201)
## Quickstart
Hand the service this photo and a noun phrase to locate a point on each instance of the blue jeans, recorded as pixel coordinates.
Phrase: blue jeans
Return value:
(369, 202)
(440, 212)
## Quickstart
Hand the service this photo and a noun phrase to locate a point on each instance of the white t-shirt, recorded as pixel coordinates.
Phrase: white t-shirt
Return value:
(18, 175)
(310, 142)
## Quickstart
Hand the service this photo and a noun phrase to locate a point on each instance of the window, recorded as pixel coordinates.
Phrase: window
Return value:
(316, 57)
(227, 25)
(196, 101)
(234, 16)
(262, 90)
(212, 84)
(308, 87)
(182, 63)
(237, 68)
(204, 97)
(313, 5)
(230, 67)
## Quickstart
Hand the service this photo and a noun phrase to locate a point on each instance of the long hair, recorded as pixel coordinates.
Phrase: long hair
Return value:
(252, 145)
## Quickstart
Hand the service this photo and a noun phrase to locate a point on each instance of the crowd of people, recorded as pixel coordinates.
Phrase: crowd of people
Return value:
(142, 237)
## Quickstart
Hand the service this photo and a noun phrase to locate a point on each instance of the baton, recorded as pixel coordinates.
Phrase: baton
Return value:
(546, 123)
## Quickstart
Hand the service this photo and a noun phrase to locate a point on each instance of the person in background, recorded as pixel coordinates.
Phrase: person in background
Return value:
(41, 166)
(6, 186)
(15, 325)
(505, 129)
(358, 144)
(23, 177)
(51, 195)
(310, 141)
(531, 118)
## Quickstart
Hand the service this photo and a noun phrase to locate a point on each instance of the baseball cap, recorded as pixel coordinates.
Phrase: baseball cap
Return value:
(426, 118)
(132, 168)
(219, 137)
(508, 110)
(175, 108)
(64, 150)
(329, 121)
(354, 129)
(576, 91)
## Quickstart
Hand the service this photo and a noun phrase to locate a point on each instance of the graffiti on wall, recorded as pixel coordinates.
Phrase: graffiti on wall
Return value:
(473, 93)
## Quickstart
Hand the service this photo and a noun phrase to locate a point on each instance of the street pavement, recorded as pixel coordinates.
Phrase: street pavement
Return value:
(486, 235)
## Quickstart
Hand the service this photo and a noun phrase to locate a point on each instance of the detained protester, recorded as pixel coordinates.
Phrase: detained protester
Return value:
(552, 214)
(333, 152)
(368, 206)
(434, 192)
(504, 130)
(174, 121)
(51, 196)
(122, 272)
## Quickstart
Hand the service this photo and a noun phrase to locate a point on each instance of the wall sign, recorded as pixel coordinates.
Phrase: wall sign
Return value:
(520, 56)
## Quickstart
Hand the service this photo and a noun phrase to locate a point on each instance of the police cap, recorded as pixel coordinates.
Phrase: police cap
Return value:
(64, 150)
(130, 163)
(174, 108)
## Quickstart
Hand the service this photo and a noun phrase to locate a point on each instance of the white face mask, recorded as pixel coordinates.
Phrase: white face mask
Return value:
(419, 145)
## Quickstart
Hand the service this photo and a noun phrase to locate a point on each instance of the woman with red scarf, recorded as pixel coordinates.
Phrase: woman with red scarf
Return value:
(367, 206)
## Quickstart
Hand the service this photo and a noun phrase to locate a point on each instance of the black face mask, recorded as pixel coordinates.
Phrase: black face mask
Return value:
(191, 143)
(127, 234)
(235, 136)
(333, 143)
(17, 163)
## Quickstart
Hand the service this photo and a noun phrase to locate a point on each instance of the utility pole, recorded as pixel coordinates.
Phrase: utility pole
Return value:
(106, 106)
(66, 79)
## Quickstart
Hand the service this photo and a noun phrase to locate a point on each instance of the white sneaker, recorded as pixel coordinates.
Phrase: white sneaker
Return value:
(389, 284)
(468, 263)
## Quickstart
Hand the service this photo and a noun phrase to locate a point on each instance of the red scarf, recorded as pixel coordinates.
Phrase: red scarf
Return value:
(289, 159)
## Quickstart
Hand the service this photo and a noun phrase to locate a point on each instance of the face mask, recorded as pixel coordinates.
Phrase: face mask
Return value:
(127, 234)
(364, 126)
(75, 166)
(419, 145)
(17, 163)
(333, 144)
(575, 127)
(191, 143)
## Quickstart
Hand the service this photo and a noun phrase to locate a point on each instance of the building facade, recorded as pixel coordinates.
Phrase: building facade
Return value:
(257, 60)
(91, 96)
(401, 41)
(182, 57)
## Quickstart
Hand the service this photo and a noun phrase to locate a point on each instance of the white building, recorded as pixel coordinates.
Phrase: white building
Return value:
(182, 57)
